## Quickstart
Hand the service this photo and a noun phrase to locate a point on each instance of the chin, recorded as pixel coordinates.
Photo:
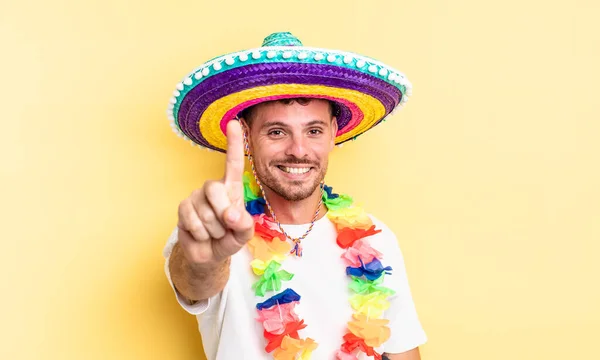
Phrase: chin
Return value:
(293, 185)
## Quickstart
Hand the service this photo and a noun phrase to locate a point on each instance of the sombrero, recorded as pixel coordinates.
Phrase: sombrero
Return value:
(365, 91)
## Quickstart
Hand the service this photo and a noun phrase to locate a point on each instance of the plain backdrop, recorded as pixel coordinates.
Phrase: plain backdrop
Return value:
(489, 177)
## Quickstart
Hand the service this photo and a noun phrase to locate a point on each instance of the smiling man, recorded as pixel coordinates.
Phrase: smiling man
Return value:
(272, 262)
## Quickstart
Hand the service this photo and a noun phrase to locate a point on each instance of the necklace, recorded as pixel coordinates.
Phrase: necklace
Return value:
(297, 241)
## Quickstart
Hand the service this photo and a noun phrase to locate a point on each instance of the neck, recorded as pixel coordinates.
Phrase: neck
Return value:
(295, 212)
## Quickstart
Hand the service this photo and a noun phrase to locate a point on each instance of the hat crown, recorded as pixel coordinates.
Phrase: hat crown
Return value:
(281, 39)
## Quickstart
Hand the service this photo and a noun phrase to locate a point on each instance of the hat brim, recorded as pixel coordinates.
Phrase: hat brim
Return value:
(365, 90)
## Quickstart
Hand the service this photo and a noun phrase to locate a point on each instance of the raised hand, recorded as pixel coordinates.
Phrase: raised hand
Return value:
(213, 221)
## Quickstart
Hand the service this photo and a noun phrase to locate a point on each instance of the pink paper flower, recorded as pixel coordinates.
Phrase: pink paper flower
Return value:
(341, 355)
(275, 318)
(364, 250)
(266, 221)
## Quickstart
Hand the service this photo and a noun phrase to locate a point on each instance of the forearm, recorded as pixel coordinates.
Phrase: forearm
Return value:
(197, 281)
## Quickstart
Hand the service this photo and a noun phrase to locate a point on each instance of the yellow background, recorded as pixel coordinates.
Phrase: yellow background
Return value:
(489, 177)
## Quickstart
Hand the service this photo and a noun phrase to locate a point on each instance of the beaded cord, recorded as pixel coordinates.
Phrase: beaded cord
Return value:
(297, 249)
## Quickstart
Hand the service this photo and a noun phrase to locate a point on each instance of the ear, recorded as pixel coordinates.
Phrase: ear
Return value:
(245, 133)
(334, 130)
(245, 126)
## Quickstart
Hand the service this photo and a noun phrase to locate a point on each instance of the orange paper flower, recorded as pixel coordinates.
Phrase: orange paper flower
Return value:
(373, 331)
(290, 348)
(347, 236)
(265, 250)
(353, 342)
(291, 330)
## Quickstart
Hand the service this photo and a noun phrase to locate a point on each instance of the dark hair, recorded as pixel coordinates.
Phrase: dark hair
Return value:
(248, 112)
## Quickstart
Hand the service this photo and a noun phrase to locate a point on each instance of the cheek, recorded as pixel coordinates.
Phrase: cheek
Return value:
(323, 152)
(267, 150)
(263, 158)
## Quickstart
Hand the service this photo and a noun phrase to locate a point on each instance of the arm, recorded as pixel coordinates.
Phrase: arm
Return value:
(197, 281)
(407, 334)
(213, 225)
(409, 355)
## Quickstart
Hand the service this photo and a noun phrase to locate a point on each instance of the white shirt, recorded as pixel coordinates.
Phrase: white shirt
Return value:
(228, 324)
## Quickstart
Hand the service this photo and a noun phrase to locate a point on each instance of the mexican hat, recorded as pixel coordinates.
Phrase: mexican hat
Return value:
(364, 90)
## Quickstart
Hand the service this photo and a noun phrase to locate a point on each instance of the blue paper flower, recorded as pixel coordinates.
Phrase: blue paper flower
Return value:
(256, 207)
(284, 297)
(372, 271)
(330, 193)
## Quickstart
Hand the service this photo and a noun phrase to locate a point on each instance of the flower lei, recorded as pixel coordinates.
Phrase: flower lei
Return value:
(270, 248)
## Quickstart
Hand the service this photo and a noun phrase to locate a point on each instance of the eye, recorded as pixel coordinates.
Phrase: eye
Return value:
(275, 132)
(315, 131)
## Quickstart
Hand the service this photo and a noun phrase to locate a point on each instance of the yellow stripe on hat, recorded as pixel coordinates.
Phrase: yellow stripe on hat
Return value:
(210, 129)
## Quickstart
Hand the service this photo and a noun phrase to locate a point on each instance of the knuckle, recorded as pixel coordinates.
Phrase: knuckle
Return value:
(207, 216)
(208, 184)
(182, 238)
(194, 228)
(197, 193)
(213, 189)
(182, 205)
(219, 232)
(183, 209)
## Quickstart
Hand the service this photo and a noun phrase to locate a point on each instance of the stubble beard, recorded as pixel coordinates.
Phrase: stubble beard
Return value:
(295, 190)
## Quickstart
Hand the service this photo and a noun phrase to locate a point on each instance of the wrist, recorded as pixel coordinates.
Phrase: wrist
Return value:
(209, 266)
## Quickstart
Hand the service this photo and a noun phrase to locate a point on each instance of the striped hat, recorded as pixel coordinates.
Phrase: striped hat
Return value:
(364, 90)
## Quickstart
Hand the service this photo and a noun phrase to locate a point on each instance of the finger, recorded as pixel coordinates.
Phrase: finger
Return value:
(207, 216)
(217, 196)
(196, 252)
(241, 230)
(190, 222)
(241, 223)
(234, 168)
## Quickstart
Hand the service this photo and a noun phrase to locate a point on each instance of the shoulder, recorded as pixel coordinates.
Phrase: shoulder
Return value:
(385, 241)
(385, 234)
(380, 225)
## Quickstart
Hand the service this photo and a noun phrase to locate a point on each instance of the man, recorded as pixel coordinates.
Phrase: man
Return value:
(244, 238)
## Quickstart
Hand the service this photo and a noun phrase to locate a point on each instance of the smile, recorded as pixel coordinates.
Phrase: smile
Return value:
(294, 170)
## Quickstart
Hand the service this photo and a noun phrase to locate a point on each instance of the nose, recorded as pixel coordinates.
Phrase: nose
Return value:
(297, 147)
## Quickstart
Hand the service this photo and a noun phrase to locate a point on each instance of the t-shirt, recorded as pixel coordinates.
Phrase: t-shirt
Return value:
(227, 321)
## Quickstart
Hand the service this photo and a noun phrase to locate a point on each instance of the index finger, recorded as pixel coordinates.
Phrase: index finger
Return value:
(234, 166)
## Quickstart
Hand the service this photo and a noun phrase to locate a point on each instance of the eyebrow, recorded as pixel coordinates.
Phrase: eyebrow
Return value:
(316, 122)
(284, 125)
(274, 123)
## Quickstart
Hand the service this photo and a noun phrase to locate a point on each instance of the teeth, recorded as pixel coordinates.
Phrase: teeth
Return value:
(295, 170)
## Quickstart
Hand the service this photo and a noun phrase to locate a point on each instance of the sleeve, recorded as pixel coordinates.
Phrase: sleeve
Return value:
(406, 330)
(196, 308)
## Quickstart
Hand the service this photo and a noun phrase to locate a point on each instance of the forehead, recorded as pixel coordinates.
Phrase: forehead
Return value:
(294, 112)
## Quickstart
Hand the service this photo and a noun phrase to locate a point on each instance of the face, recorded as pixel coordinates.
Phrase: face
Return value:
(290, 144)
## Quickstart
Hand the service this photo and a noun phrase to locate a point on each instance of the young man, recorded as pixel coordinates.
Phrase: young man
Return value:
(272, 262)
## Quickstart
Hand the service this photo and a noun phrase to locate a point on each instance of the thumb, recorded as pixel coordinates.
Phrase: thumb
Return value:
(240, 222)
